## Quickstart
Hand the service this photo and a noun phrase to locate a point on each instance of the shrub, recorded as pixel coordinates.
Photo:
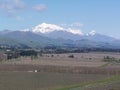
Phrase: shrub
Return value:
(71, 56)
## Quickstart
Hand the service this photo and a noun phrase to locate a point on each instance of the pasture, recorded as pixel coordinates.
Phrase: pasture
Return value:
(43, 80)
(84, 71)
(94, 59)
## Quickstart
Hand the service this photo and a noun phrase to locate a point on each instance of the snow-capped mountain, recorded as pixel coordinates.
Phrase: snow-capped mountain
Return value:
(45, 28)
(54, 31)
(51, 34)
(63, 35)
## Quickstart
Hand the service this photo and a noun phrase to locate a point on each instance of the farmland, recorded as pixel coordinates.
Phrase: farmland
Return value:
(80, 59)
(84, 71)
(42, 80)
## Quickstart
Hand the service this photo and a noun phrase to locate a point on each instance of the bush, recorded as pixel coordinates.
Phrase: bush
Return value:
(71, 56)
(110, 59)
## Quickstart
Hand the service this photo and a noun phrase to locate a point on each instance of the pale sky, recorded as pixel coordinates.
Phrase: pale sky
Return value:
(103, 16)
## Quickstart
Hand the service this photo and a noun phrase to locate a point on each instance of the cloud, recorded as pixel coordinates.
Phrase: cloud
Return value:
(40, 7)
(12, 6)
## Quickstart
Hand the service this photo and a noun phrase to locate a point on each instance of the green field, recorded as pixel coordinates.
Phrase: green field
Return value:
(43, 80)
(93, 84)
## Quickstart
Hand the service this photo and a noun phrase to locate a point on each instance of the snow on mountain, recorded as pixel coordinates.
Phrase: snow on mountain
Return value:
(75, 31)
(91, 33)
(50, 34)
(48, 28)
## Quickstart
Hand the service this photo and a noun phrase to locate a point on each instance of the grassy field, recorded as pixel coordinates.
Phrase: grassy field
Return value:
(102, 84)
(80, 59)
(86, 71)
(43, 80)
(93, 59)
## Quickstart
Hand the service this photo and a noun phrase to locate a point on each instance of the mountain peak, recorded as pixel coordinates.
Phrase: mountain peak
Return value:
(46, 28)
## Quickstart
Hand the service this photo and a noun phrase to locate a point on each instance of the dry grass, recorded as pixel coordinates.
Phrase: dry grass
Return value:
(42, 80)
(80, 59)
(57, 71)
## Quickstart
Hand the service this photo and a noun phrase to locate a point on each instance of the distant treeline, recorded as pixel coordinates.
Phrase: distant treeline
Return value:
(28, 53)
(57, 49)
(78, 50)
(33, 52)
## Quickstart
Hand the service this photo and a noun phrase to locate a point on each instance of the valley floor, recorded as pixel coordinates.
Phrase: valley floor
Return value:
(86, 71)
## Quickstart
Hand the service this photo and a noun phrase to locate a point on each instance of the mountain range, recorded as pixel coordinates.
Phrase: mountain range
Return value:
(53, 35)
